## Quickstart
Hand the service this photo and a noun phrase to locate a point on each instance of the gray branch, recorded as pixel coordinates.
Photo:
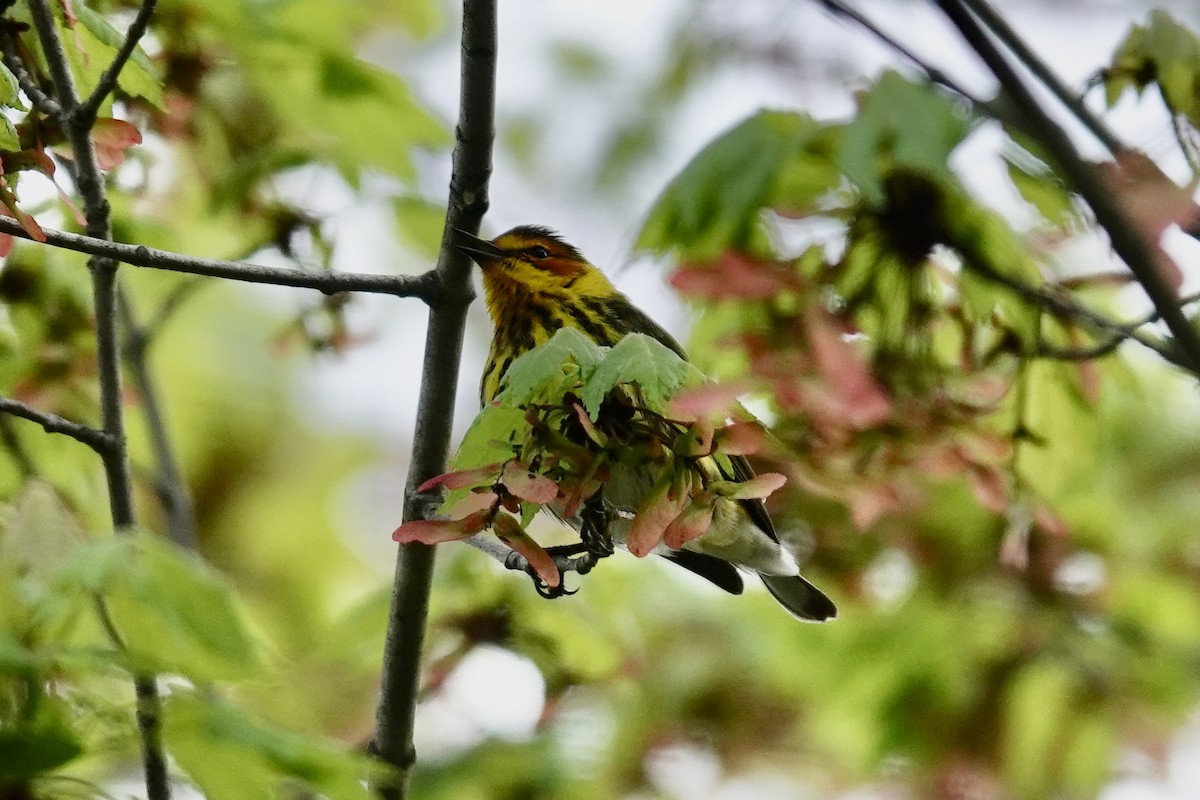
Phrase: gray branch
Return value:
(513, 560)
(86, 111)
(425, 286)
(52, 423)
(1041, 70)
(1128, 243)
(90, 183)
(471, 170)
(29, 85)
(169, 482)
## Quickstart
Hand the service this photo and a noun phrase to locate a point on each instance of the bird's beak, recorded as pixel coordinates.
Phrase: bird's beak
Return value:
(481, 251)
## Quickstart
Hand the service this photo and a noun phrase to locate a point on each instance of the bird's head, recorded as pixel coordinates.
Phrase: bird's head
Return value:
(528, 256)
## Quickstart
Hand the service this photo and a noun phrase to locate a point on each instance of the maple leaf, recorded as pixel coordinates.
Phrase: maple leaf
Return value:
(436, 531)
(691, 523)
(463, 478)
(654, 516)
(111, 138)
(741, 438)
(509, 531)
(735, 275)
(1152, 202)
(709, 401)
(558, 364)
(528, 485)
(841, 365)
(641, 359)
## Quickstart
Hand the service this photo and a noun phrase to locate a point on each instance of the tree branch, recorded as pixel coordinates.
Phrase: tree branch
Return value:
(169, 483)
(20, 456)
(90, 183)
(1126, 241)
(425, 286)
(1062, 304)
(98, 440)
(16, 65)
(990, 108)
(472, 166)
(513, 560)
(86, 112)
(838, 8)
(1024, 53)
(1058, 353)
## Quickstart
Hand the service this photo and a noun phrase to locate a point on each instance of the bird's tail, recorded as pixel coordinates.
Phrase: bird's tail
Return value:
(801, 598)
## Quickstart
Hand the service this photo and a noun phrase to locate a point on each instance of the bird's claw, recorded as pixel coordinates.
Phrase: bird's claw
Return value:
(569, 558)
(551, 592)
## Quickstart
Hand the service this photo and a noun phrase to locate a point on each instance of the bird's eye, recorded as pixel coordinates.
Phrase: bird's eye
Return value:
(539, 252)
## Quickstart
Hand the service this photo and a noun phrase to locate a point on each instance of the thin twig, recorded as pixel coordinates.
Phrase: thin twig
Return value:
(16, 65)
(1041, 70)
(424, 286)
(1178, 127)
(1124, 331)
(166, 309)
(991, 108)
(90, 184)
(1059, 353)
(513, 560)
(86, 112)
(471, 169)
(1128, 243)
(98, 440)
(841, 9)
(1063, 305)
(1074, 102)
(12, 443)
(169, 483)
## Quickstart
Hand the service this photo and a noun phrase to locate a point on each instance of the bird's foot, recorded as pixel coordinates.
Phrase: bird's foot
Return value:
(568, 558)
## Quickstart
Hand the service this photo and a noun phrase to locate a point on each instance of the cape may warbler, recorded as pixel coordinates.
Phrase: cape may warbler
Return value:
(534, 284)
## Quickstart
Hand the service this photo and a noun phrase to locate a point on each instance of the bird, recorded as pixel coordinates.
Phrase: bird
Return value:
(535, 283)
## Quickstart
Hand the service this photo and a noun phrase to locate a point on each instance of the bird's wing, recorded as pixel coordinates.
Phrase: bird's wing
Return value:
(637, 322)
(634, 320)
(757, 509)
(718, 572)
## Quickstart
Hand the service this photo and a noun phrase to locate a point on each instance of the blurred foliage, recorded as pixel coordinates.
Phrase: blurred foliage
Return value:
(1010, 537)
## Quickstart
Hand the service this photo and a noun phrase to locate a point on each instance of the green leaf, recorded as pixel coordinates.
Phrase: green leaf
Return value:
(175, 614)
(551, 369)
(988, 244)
(10, 89)
(1037, 710)
(420, 223)
(41, 533)
(489, 440)
(31, 749)
(99, 42)
(900, 124)
(1089, 756)
(714, 202)
(641, 359)
(1165, 606)
(1162, 52)
(1045, 191)
(232, 756)
(335, 106)
(9, 139)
